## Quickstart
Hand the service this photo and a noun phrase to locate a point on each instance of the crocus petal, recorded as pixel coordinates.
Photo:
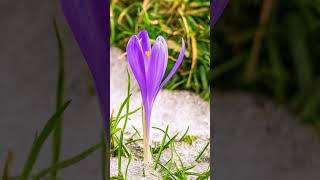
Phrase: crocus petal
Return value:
(163, 41)
(156, 68)
(176, 66)
(144, 40)
(88, 22)
(145, 44)
(136, 60)
(217, 7)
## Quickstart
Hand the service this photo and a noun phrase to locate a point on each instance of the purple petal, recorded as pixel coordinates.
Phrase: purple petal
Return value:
(145, 44)
(176, 66)
(88, 22)
(136, 60)
(163, 41)
(217, 7)
(145, 41)
(156, 68)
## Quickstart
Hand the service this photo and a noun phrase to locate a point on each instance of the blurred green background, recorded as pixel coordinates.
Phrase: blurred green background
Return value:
(271, 48)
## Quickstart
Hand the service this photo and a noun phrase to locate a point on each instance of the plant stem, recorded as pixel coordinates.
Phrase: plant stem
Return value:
(146, 140)
(56, 141)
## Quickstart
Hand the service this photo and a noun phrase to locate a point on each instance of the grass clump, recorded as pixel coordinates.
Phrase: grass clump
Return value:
(173, 20)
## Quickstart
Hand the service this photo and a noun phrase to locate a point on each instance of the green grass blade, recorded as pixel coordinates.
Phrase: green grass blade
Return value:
(120, 111)
(127, 168)
(121, 143)
(161, 147)
(203, 76)
(130, 113)
(278, 71)
(7, 166)
(136, 130)
(201, 152)
(68, 162)
(56, 141)
(299, 49)
(184, 134)
(36, 146)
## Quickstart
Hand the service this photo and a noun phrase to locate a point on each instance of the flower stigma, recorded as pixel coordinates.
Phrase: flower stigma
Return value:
(148, 54)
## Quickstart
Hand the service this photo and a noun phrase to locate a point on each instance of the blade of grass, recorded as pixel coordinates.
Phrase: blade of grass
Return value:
(120, 111)
(68, 162)
(161, 130)
(7, 166)
(133, 141)
(124, 125)
(170, 172)
(182, 172)
(203, 76)
(161, 147)
(127, 168)
(278, 71)
(299, 49)
(169, 162)
(130, 113)
(56, 141)
(136, 131)
(185, 133)
(201, 152)
(170, 141)
(36, 146)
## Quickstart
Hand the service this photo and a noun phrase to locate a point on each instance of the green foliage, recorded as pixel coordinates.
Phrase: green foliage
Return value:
(173, 19)
(56, 137)
(67, 162)
(39, 141)
(54, 126)
(288, 66)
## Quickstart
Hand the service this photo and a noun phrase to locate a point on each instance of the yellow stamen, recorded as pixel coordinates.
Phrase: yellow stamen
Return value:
(148, 54)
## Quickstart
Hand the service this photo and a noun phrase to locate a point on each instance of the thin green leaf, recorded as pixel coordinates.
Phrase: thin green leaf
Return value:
(299, 49)
(161, 147)
(7, 166)
(184, 134)
(201, 152)
(36, 146)
(56, 138)
(68, 162)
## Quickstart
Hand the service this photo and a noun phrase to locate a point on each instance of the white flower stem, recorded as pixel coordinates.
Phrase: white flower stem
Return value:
(146, 141)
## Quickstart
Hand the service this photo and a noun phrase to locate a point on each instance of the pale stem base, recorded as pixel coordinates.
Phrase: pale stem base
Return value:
(146, 150)
(146, 142)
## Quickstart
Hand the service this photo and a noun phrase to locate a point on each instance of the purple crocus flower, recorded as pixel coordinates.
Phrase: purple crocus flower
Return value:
(87, 20)
(217, 7)
(149, 66)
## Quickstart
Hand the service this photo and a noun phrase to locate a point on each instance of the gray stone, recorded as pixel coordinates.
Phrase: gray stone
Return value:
(256, 139)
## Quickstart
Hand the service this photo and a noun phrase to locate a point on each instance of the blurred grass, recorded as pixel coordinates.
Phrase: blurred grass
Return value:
(174, 20)
(57, 132)
(287, 66)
